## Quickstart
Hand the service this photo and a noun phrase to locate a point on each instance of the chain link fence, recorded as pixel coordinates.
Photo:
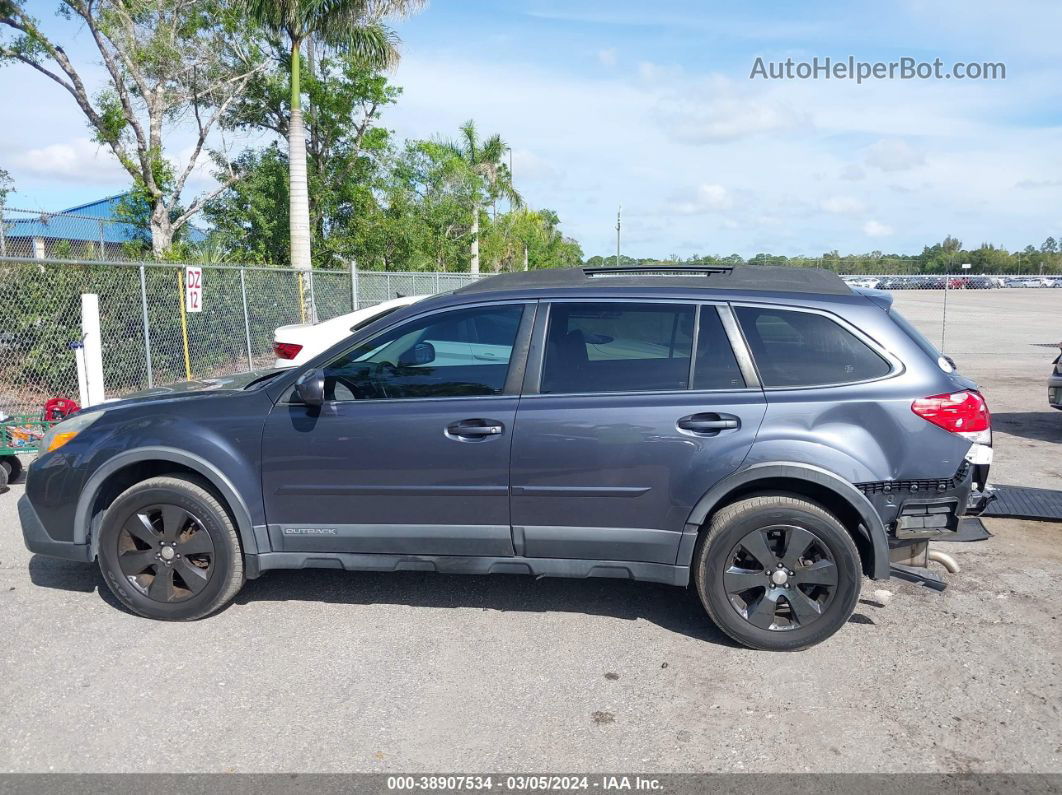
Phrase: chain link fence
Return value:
(144, 341)
(141, 327)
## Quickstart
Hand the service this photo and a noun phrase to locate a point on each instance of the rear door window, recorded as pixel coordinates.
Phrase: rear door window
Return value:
(617, 347)
(716, 366)
(806, 349)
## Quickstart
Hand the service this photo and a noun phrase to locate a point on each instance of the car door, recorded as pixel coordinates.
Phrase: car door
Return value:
(410, 452)
(632, 410)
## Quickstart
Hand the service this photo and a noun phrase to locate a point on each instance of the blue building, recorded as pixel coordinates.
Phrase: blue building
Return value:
(96, 230)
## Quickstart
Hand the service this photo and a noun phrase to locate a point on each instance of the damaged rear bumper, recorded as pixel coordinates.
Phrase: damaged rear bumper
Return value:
(916, 512)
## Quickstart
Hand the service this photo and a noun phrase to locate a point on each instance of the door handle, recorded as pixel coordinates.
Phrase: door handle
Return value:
(474, 429)
(709, 424)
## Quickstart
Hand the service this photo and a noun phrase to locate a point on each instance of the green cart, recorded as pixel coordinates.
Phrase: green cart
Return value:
(19, 435)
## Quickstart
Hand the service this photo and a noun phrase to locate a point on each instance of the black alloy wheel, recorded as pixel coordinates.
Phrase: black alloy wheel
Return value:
(780, 577)
(777, 572)
(165, 553)
(168, 549)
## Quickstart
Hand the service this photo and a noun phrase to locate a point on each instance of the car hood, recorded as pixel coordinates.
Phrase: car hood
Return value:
(225, 383)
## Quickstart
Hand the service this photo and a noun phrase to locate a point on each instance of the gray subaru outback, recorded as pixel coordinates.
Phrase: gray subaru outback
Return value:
(767, 436)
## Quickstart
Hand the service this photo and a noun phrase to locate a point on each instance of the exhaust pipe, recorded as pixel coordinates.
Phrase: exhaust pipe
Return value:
(945, 560)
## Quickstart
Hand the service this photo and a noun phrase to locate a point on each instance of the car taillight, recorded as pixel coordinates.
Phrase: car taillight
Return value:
(964, 413)
(286, 350)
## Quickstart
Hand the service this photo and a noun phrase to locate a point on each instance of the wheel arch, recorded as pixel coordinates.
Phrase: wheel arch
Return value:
(832, 491)
(133, 466)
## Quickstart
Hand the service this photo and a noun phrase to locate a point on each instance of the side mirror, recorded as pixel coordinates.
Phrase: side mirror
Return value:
(310, 388)
(421, 353)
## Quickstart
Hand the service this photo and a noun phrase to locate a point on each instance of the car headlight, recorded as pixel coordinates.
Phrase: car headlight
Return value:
(60, 434)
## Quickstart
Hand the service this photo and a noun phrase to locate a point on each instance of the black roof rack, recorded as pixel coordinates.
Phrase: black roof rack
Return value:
(656, 270)
(771, 278)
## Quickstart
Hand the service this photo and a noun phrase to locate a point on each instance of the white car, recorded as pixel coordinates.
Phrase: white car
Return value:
(298, 343)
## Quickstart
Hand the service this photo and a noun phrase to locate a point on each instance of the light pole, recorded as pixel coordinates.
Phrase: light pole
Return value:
(619, 212)
(509, 149)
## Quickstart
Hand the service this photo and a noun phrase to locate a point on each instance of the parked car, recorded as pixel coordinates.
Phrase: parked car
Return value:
(1054, 383)
(766, 436)
(892, 283)
(297, 344)
(868, 282)
(1022, 281)
(926, 282)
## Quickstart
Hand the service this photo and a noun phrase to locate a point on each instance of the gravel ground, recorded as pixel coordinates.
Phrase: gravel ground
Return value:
(331, 672)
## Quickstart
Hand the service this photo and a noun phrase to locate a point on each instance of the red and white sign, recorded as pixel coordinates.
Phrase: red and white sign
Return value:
(193, 289)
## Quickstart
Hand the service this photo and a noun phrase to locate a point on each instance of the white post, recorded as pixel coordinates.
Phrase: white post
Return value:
(82, 386)
(93, 350)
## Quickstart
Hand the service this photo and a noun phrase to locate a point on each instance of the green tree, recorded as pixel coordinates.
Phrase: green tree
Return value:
(165, 62)
(529, 239)
(346, 26)
(426, 206)
(250, 220)
(6, 186)
(348, 155)
(483, 159)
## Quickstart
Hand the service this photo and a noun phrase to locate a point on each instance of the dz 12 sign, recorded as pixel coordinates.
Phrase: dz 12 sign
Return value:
(193, 289)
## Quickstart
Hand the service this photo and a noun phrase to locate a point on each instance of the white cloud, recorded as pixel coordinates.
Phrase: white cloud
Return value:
(607, 57)
(649, 71)
(705, 198)
(716, 109)
(76, 160)
(529, 166)
(853, 172)
(728, 119)
(893, 154)
(842, 205)
(875, 229)
(1039, 183)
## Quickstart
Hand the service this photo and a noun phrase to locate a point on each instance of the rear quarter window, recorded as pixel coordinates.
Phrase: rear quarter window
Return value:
(806, 349)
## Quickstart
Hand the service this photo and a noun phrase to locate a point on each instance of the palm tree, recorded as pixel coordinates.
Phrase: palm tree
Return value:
(348, 26)
(484, 160)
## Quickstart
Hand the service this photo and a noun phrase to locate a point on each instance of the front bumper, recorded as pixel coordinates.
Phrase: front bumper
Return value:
(1054, 391)
(37, 539)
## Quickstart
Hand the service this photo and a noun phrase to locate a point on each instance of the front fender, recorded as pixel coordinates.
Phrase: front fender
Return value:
(83, 517)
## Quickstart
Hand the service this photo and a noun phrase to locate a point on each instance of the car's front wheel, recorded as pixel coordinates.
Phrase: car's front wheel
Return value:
(169, 550)
(777, 572)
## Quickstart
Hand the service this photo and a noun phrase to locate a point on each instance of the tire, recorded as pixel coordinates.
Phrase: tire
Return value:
(4, 476)
(793, 590)
(169, 550)
(12, 467)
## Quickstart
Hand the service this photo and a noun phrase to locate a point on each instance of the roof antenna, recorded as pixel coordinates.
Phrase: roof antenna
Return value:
(619, 211)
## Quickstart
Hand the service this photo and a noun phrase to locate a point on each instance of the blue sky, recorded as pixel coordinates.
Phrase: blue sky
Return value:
(651, 106)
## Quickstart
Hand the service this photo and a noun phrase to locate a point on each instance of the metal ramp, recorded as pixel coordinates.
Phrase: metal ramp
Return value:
(1025, 503)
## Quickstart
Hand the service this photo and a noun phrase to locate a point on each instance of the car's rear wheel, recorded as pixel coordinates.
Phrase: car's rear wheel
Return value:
(777, 572)
(169, 550)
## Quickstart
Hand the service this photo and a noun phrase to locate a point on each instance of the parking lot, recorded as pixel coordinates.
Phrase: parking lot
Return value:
(327, 671)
